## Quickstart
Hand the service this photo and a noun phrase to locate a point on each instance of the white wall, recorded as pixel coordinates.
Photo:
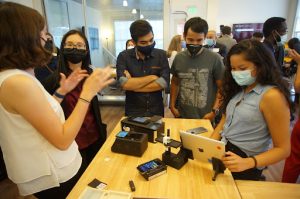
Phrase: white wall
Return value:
(228, 12)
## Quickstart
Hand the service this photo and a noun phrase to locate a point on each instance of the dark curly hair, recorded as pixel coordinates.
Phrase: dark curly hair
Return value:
(267, 71)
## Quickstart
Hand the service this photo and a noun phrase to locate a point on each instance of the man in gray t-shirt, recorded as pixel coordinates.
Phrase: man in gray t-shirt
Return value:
(197, 74)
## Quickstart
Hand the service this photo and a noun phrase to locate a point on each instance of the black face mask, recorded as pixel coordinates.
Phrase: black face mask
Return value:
(146, 50)
(49, 45)
(193, 49)
(74, 55)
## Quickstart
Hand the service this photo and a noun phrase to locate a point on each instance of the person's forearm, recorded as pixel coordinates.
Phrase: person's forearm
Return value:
(272, 156)
(217, 100)
(297, 81)
(216, 134)
(174, 91)
(153, 86)
(136, 83)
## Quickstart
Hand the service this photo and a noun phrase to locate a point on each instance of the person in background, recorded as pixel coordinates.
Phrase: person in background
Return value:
(212, 44)
(226, 38)
(129, 44)
(197, 74)
(38, 145)
(258, 36)
(275, 33)
(255, 103)
(291, 169)
(75, 55)
(176, 46)
(143, 72)
(44, 71)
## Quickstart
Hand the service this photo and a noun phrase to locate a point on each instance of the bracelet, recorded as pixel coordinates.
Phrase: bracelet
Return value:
(60, 96)
(84, 100)
(255, 161)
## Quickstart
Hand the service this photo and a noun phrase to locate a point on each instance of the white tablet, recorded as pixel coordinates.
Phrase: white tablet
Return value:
(203, 148)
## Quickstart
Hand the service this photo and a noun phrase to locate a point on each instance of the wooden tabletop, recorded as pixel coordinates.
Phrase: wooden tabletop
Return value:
(263, 190)
(193, 180)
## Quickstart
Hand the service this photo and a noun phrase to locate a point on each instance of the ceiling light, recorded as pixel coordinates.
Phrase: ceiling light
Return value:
(133, 11)
(142, 16)
(125, 3)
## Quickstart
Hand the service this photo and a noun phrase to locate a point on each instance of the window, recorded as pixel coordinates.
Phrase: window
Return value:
(122, 34)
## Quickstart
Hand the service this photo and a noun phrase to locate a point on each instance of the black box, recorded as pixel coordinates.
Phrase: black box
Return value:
(132, 144)
(152, 129)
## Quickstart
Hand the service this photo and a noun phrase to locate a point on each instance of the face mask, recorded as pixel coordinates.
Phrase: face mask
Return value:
(183, 44)
(210, 42)
(281, 40)
(74, 55)
(48, 44)
(243, 78)
(146, 50)
(193, 49)
(130, 47)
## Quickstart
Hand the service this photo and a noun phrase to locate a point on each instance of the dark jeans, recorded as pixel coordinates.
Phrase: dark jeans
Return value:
(64, 189)
(249, 174)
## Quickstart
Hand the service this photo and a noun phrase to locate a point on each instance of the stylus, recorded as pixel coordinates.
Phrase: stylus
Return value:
(131, 184)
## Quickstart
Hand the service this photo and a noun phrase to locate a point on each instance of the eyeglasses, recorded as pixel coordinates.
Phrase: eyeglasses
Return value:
(74, 45)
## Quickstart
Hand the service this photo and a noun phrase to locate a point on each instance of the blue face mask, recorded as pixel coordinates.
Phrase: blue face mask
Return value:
(210, 42)
(243, 78)
(183, 44)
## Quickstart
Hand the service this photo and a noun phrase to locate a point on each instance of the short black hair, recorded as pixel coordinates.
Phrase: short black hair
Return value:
(292, 42)
(258, 34)
(273, 23)
(140, 28)
(197, 25)
(226, 30)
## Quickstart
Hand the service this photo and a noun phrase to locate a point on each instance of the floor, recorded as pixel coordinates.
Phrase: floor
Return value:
(111, 115)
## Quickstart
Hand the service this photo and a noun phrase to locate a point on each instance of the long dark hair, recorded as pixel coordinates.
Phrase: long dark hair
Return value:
(63, 66)
(267, 70)
(20, 40)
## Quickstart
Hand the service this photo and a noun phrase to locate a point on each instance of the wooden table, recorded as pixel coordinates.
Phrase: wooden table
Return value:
(193, 180)
(264, 190)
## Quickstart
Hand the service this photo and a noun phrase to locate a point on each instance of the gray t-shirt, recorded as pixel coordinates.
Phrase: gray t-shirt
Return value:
(197, 82)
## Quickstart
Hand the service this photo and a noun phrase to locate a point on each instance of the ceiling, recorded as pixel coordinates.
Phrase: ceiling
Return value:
(117, 5)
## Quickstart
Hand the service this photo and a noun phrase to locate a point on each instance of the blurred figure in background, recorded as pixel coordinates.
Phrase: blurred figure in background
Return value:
(226, 38)
(213, 45)
(258, 36)
(44, 71)
(176, 46)
(129, 44)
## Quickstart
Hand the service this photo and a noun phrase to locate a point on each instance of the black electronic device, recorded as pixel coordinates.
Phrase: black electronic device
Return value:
(130, 143)
(152, 169)
(197, 130)
(153, 126)
(173, 143)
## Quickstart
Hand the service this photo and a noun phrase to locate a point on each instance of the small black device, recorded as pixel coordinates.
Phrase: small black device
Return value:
(130, 143)
(173, 143)
(153, 126)
(131, 185)
(152, 169)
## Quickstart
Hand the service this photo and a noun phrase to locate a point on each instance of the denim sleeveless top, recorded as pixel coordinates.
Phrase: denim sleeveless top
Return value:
(245, 125)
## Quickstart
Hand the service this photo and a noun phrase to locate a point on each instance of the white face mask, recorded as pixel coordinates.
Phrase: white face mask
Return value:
(243, 78)
(130, 47)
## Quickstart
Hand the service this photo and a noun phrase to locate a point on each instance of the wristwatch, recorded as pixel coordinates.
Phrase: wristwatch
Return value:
(215, 111)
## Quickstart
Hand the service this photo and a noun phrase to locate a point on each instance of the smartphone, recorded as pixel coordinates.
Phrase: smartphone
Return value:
(122, 134)
(153, 164)
(197, 130)
(141, 120)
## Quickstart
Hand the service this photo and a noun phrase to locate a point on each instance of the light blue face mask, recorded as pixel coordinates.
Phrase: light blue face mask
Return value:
(210, 42)
(183, 44)
(243, 78)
